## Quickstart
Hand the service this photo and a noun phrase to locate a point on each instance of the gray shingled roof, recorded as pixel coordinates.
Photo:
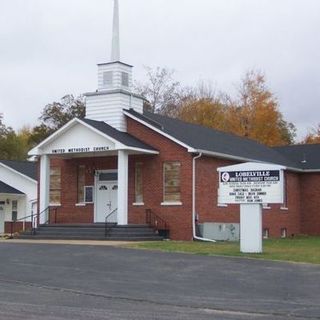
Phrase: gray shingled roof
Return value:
(27, 168)
(211, 140)
(305, 156)
(122, 137)
(4, 188)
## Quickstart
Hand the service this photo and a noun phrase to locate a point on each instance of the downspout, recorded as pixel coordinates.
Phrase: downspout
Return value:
(195, 237)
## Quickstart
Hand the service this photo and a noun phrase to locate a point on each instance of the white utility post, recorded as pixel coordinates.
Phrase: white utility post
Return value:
(44, 187)
(251, 228)
(122, 187)
(250, 185)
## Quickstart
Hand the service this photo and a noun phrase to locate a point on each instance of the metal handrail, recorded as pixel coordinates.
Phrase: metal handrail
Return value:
(13, 223)
(35, 219)
(106, 229)
(157, 223)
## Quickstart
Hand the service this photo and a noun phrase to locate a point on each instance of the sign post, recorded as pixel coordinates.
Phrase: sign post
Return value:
(250, 185)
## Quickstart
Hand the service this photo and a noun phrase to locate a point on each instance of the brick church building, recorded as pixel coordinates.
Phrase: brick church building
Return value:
(120, 162)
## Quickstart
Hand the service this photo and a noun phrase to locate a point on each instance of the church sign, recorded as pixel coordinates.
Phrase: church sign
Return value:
(250, 186)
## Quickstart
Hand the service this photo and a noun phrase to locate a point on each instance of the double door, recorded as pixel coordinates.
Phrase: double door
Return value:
(106, 201)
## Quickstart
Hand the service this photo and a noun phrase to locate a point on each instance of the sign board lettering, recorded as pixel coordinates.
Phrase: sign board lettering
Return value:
(250, 186)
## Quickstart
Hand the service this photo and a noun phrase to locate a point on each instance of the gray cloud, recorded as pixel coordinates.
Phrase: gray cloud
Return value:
(50, 48)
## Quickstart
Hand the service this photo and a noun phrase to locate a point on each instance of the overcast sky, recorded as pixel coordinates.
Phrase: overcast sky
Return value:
(50, 48)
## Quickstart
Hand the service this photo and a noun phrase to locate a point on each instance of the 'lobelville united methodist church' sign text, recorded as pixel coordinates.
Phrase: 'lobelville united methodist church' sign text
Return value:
(250, 184)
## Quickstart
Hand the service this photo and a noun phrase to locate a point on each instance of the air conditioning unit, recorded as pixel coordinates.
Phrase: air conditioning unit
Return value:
(220, 231)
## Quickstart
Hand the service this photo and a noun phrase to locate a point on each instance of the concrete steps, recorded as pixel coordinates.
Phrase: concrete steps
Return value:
(92, 232)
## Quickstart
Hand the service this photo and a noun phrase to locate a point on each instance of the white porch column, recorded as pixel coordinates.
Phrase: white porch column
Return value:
(122, 187)
(44, 187)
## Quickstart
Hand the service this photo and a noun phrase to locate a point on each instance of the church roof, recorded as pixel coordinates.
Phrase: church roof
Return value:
(226, 145)
(306, 156)
(5, 188)
(123, 137)
(26, 168)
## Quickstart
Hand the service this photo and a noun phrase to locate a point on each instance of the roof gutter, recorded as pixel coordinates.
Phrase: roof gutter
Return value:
(230, 157)
(195, 237)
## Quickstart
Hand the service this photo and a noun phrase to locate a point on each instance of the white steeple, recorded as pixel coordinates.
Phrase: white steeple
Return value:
(115, 49)
(114, 86)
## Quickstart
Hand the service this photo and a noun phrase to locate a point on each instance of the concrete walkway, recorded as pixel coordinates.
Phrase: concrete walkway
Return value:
(68, 242)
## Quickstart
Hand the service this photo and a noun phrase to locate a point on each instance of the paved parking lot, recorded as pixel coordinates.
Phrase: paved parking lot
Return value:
(55, 281)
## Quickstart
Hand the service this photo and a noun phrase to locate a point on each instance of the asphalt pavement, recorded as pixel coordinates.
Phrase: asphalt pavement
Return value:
(61, 281)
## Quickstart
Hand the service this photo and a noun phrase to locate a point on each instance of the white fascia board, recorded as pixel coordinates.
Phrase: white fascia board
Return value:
(247, 166)
(18, 172)
(140, 150)
(242, 159)
(311, 170)
(13, 194)
(189, 148)
(227, 156)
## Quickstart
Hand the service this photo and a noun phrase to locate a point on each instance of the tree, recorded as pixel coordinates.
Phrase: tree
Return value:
(202, 105)
(13, 146)
(161, 91)
(57, 114)
(255, 114)
(313, 136)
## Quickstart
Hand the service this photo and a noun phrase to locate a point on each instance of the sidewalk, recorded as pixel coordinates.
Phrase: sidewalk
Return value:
(68, 242)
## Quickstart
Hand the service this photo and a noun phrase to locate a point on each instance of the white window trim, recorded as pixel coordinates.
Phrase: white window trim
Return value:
(176, 203)
(265, 206)
(81, 204)
(138, 204)
(284, 208)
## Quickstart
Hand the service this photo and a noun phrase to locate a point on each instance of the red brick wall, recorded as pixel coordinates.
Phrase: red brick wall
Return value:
(178, 217)
(310, 204)
(15, 227)
(68, 212)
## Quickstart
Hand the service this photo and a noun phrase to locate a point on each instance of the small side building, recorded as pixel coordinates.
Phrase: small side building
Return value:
(18, 194)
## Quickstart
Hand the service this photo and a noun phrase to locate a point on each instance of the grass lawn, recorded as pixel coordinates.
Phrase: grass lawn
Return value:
(300, 249)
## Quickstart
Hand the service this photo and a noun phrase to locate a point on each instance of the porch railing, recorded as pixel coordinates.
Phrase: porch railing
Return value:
(157, 223)
(107, 226)
(34, 220)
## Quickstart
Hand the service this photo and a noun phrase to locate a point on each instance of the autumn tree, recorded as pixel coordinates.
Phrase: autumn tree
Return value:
(13, 146)
(313, 136)
(161, 91)
(202, 105)
(255, 114)
(57, 114)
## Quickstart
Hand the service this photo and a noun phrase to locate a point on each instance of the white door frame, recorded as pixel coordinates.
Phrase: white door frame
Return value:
(2, 219)
(96, 181)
